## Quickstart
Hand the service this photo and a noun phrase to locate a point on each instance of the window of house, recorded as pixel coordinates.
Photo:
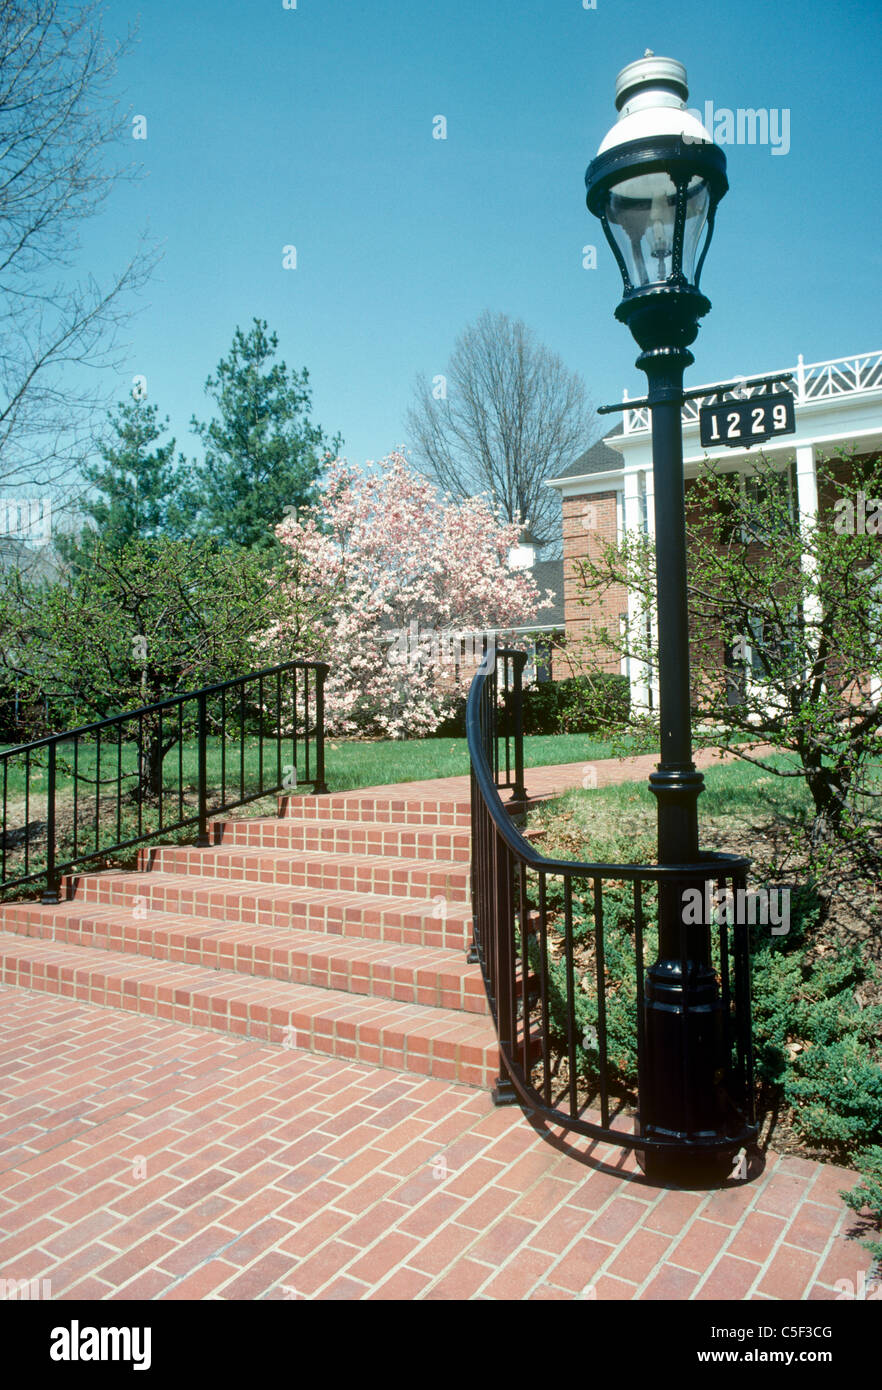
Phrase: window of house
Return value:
(763, 648)
(775, 493)
(543, 660)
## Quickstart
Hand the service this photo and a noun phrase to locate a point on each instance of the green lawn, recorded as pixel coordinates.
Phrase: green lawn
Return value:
(349, 763)
(732, 792)
(618, 823)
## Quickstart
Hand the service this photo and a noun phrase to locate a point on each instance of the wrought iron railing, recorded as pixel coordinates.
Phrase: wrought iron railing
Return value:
(78, 796)
(563, 949)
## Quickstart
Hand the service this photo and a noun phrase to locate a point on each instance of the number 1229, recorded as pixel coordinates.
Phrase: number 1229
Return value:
(734, 420)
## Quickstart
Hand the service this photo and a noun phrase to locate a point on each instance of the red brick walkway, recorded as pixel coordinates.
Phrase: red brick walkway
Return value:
(170, 1147)
(542, 782)
(143, 1159)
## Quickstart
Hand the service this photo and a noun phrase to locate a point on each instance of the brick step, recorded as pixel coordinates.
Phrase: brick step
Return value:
(340, 837)
(347, 873)
(440, 1043)
(408, 974)
(391, 810)
(417, 921)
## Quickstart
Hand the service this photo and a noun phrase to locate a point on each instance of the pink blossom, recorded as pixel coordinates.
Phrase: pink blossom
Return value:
(380, 551)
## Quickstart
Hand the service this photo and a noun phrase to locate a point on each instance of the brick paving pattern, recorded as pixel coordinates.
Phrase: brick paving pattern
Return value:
(148, 1159)
(260, 1069)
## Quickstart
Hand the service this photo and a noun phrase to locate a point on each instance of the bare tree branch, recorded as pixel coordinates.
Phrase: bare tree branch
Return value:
(59, 120)
(512, 417)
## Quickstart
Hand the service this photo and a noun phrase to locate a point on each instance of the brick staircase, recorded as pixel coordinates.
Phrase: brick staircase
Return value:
(340, 926)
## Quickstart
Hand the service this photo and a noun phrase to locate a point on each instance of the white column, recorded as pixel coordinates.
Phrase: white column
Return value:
(649, 508)
(807, 481)
(633, 523)
(807, 502)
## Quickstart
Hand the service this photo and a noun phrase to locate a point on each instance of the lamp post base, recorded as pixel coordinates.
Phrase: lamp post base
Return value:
(690, 1170)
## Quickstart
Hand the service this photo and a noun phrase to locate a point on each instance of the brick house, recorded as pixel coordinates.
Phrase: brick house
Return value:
(609, 489)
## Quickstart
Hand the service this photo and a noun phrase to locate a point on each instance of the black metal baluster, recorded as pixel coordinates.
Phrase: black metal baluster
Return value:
(638, 965)
(242, 740)
(260, 732)
(493, 915)
(203, 769)
(306, 723)
(725, 990)
(741, 951)
(686, 1032)
(278, 730)
(141, 766)
(506, 1006)
(223, 738)
(543, 961)
(495, 925)
(294, 719)
(5, 818)
(601, 1000)
(320, 784)
(521, 870)
(472, 957)
(506, 707)
(27, 846)
(181, 762)
(76, 792)
(51, 893)
(571, 994)
(519, 792)
(97, 789)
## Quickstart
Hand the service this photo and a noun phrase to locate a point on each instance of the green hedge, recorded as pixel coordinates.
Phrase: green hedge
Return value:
(817, 1049)
(578, 705)
(573, 706)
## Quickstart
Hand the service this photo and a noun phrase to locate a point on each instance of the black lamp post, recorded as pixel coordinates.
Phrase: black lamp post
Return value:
(655, 186)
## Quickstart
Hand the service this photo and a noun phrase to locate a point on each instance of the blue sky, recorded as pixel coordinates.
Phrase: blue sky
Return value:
(312, 127)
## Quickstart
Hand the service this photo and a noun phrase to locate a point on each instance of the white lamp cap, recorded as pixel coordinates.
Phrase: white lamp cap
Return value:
(651, 96)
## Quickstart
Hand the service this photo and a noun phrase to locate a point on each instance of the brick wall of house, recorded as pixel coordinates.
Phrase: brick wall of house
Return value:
(589, 523)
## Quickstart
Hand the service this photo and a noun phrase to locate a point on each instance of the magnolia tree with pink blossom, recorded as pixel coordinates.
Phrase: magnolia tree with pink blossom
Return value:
(381, 578)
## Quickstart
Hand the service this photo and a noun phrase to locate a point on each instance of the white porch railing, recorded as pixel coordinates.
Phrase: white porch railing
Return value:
(841, 376)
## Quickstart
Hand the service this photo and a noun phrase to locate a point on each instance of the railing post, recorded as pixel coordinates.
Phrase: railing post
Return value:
(202, 776)
(519, 661)
(51, 893)
(502, 926)
(472, 957)
(321, 672)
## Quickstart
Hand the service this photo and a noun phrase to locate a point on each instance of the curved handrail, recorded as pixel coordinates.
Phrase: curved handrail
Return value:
(511, 943)
(527, 852)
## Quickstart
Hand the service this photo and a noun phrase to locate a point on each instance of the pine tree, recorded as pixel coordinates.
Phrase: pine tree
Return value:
(262, 454)
(139, 486)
